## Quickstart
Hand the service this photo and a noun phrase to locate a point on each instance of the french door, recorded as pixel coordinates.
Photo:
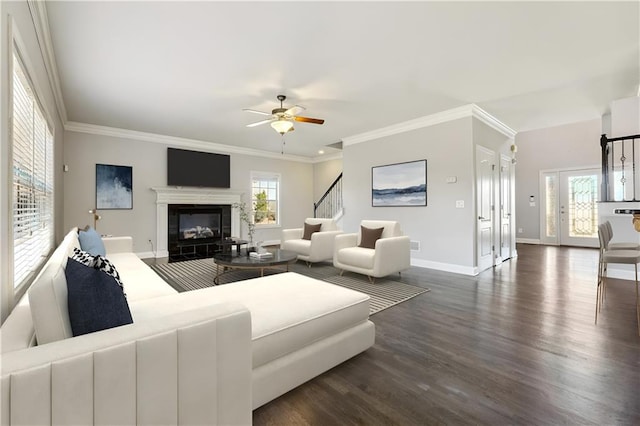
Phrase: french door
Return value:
(485, 181)
(569, 213)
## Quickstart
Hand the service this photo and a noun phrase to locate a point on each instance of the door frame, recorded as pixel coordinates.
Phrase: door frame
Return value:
(511, 209)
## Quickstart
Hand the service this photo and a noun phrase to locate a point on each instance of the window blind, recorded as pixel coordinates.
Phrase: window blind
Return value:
(32, 203)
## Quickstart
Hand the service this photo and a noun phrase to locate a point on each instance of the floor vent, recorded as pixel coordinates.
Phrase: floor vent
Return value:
(415, 245)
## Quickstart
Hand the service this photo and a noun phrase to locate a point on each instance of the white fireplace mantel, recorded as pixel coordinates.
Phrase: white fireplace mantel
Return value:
(179, 195)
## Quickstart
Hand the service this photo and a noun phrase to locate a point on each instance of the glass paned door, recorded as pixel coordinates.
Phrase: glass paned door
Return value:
(569, 210)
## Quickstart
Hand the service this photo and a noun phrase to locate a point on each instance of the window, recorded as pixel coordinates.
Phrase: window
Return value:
(32, 201)
(265, 194)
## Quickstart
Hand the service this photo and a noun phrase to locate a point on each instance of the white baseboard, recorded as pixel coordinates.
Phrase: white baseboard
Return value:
(152, 254)
(447, 267)
(528, 240)
(148, 255)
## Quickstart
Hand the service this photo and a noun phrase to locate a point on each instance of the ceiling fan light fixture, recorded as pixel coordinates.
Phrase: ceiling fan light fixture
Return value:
(282, 126)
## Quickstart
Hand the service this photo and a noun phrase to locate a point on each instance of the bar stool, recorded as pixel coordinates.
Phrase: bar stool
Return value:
(626, 257)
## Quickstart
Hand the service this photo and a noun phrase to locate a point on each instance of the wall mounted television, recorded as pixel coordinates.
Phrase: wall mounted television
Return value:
(194, 168)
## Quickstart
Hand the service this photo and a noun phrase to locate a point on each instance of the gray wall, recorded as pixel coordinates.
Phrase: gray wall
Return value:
(324, 174)
(562, 147)
(446, 234)
(83, 151)
(22, 22)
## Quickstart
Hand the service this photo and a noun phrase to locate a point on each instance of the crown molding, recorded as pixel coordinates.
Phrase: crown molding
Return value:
(115, 132)
(492, 122)
(40, 20)
(470, 110)
(328, 157)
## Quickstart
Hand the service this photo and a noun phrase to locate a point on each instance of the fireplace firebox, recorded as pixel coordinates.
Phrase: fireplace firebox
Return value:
(195, 231)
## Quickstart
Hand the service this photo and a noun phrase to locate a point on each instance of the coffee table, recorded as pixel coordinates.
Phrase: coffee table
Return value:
(227, 261)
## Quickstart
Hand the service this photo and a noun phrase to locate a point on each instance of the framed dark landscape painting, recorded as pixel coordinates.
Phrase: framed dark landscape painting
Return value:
(114, 187)
(399, 185)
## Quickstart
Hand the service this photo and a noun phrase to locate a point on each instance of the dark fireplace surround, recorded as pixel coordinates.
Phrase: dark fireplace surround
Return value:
(196, 230)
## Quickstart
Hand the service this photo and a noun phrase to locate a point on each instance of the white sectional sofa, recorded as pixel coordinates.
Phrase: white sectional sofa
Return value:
(207, 356)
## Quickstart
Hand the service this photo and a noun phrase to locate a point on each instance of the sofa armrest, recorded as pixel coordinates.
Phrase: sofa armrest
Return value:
(392, 254)
(118, 245)
(344, 241)
(191, 367)
(291, 234)
(322, 244)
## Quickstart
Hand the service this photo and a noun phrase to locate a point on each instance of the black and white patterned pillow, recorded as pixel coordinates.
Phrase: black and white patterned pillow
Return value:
(84, 257)
(98, 262)
(103, 264)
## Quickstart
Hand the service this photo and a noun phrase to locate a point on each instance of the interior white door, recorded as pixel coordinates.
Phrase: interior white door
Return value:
(485, 167)
(505, 207)
(578, 207)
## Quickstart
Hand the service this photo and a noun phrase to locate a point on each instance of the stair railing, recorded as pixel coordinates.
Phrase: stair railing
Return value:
(620, 177)
(330, 204)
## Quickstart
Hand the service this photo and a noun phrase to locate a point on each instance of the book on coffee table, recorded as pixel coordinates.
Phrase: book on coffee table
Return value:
(264, 255)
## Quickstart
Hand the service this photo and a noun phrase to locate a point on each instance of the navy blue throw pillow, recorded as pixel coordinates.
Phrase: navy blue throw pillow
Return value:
(96, 301)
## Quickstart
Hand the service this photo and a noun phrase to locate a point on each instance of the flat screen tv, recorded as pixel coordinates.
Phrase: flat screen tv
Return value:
(193, 168)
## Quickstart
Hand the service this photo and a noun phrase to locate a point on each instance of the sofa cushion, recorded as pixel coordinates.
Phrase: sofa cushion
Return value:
(139, 280)
(357, 256)
(91, 242)
(310, 229)
(302, 247)
(95, 299)
(368, 237)
(311, 310)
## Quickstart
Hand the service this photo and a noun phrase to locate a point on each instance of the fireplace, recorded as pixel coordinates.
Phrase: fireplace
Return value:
(166, 196)
(196, 230)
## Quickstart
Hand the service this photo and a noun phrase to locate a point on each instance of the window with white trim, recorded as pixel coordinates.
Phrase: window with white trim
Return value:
(265, 196)
(32, 175)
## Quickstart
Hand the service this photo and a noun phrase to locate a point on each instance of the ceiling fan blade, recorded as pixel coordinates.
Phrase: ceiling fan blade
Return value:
(259, 122)
(296, 109)
(308, 120)
(255, 111)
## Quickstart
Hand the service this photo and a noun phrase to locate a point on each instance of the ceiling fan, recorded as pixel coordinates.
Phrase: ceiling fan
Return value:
(282, 118)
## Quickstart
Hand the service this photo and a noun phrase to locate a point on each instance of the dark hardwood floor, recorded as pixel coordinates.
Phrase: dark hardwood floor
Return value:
(513, 345)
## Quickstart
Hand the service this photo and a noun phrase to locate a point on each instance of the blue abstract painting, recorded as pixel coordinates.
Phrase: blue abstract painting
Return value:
(114, 187)
(402, 184)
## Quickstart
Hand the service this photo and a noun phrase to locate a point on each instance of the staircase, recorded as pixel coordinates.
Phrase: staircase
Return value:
(330, 204)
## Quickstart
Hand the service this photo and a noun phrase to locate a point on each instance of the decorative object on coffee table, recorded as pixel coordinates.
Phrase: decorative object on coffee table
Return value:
(245, 216)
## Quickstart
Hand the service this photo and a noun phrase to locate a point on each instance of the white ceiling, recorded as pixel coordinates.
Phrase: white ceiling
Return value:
(188, 69)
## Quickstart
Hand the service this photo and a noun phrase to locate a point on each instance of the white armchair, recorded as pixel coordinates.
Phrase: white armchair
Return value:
(319, 248)
(391, 253)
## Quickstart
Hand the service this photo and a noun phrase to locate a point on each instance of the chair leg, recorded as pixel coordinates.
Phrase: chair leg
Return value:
(637, 306)
(597, 298)
(341, 272)
(372, 280)
(599, 286)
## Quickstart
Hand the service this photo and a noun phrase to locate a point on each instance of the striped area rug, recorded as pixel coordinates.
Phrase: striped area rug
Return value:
(194, 274)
